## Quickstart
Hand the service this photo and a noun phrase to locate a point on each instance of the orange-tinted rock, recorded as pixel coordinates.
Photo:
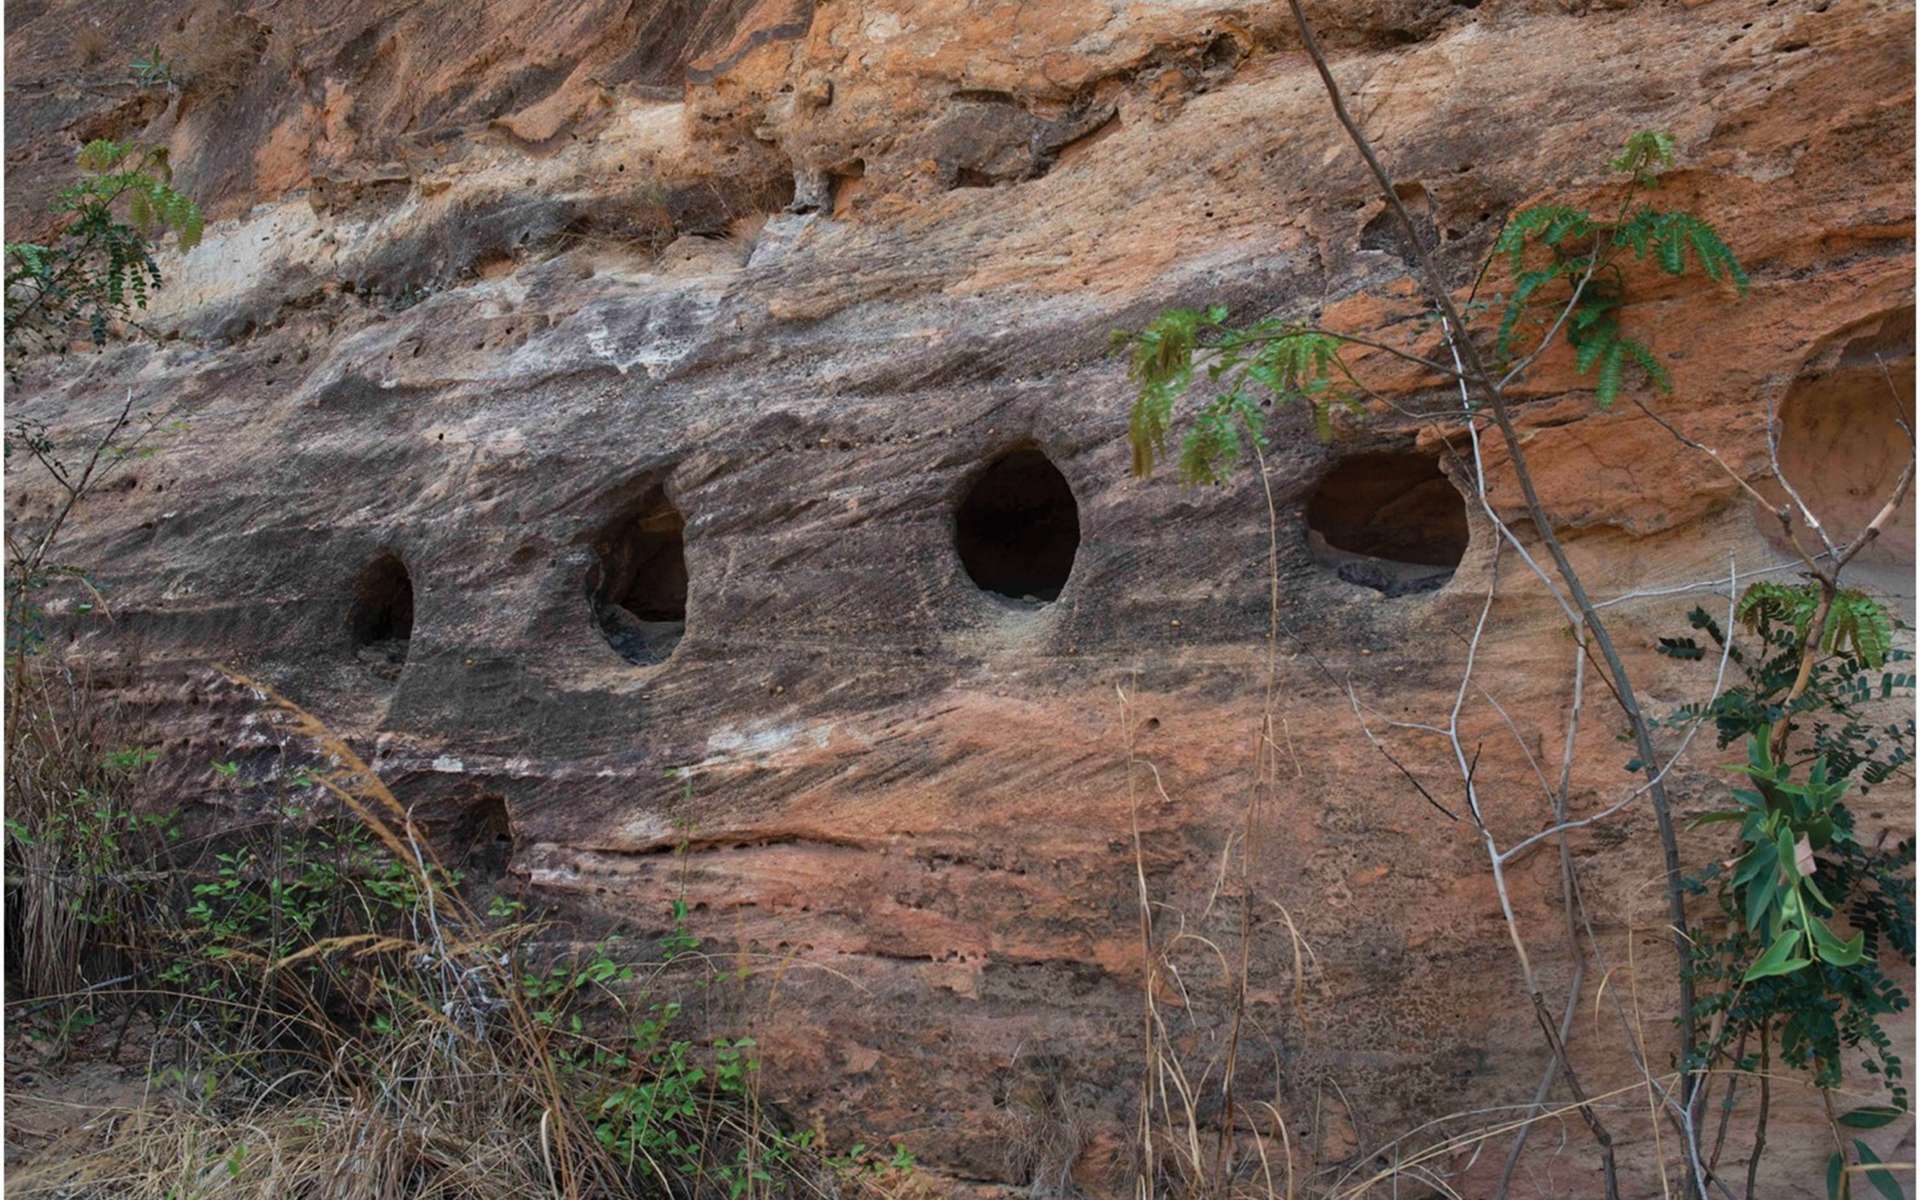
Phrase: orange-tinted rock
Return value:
(481, 278)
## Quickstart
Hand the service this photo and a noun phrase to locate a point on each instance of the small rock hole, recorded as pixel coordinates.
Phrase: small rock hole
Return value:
(1385, 234)
(1842, 447)
(1392, 522)
(638, 588)
(381, 619)
(1018, 528)
(487, 831)
(1222, 52)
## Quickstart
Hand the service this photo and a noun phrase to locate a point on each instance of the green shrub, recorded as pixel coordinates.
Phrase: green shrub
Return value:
(97, 269)
(1568, 279)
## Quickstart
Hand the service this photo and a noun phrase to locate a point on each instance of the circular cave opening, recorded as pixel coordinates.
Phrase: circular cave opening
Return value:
(381, 619)
(1842, 448)
(1018, 528)
(638, 589)
(1392, 522)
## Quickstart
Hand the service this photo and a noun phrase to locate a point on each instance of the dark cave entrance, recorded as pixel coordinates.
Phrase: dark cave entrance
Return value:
(381, 619)
(1392, 522)
(1018, 528)
(639, 587)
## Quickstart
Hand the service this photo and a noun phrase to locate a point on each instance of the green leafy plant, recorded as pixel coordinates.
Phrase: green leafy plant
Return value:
(81, 859)
(97, 269)
(1856, 627)
(1780, 978)
(82, 863)
(1784, 823)
(94, 272)
(150, 70)
(1849, 674)
(1289, 362)
(1564, 261)
(1570, 261)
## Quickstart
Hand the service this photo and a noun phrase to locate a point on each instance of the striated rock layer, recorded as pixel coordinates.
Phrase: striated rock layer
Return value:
(502, 305)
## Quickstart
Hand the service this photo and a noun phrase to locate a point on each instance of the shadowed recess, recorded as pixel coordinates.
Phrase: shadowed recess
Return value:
(1018, 528)
(638, 587)
(1392, 522)
(381, 619)
(1842, 447)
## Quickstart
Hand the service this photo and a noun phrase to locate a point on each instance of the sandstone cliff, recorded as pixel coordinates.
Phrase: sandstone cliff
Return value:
(502, 301)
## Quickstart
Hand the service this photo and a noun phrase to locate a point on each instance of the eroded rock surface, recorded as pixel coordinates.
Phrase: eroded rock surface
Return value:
(483, 278)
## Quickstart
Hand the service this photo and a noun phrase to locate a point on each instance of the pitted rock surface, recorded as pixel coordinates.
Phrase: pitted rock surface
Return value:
(481, 277)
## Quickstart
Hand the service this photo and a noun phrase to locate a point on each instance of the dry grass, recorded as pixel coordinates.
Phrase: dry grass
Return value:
(74, 848)
(90, 44)
(434, 1053)
(283, 51)
(214, 50)
(1197, 1136)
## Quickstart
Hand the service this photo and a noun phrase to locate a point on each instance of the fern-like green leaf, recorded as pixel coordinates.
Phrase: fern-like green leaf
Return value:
(1670, 236)
(1643, 356)
(1672, 248)
(189, 226)
(1612, 367)
(1645, 155)
(1716, 257)
(1588, 350)
(101, 155)
(1786, 603)
(1571, 223)
(1531, 223)
(1857, 625)
(1161, 363)
(1524, 286)
(1211, 447)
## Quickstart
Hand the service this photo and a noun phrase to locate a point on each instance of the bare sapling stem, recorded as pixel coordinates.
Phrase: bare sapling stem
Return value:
(1766, 1106)
(1490, 391)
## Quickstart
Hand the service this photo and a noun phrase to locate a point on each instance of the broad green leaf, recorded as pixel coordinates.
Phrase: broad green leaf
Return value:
(1881, 1178)
(1783, 842)
(1778, 960)
(1715, 818)
(1763, 857)
(1760, 895)
(1873, 1116)
(1612, 368)
(1832, 949)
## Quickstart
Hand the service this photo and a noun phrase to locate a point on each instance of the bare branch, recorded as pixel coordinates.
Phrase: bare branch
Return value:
(1719, 681)
(1475, 370)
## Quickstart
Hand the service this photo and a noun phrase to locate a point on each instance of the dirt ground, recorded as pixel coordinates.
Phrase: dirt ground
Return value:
(64, 1094)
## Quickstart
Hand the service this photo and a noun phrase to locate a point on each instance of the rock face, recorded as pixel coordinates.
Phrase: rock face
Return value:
(509, 311)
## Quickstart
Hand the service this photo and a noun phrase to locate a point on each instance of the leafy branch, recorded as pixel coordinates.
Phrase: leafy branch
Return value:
(97, 268)
(1584, 253)
(1163, 370)
(1253, 367)
(1289, 362)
